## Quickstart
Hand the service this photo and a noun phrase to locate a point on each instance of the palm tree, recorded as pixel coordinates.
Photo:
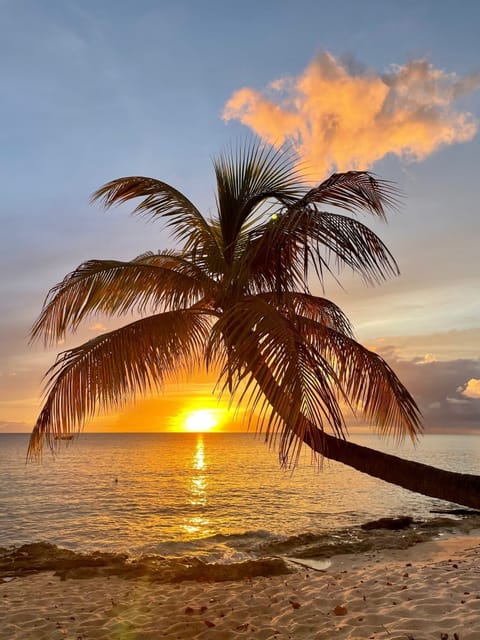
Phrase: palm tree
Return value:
(237, 298)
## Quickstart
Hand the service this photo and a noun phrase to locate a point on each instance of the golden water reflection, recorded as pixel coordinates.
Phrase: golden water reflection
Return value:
(199, 456)
(198, 525)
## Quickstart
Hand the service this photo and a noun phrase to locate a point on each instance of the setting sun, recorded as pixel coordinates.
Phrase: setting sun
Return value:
(201, 420)
(200, 412)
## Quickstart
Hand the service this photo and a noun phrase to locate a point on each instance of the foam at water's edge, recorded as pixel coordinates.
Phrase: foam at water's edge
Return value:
(42, 556)
(265, 557)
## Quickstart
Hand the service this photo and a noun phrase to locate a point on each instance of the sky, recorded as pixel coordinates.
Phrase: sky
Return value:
(94, 90)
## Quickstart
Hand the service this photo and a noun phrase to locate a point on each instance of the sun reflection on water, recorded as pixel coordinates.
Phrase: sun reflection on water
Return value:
(198, 525)
(199, 456)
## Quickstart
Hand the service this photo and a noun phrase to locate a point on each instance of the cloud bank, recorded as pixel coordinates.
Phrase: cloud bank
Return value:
(447, 392)
(339, 116)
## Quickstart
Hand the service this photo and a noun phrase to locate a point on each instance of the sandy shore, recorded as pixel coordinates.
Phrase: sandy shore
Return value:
(414, 594)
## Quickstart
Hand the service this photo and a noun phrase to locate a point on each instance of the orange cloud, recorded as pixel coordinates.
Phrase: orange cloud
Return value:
(338, 117)
(97, 327)
(472, 390)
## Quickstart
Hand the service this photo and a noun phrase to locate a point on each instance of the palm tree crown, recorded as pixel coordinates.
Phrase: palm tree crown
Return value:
(236, 296)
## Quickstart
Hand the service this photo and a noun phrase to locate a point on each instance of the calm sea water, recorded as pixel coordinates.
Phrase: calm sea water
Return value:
(212, 495)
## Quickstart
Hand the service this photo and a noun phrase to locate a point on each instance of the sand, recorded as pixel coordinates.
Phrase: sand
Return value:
(430, 591)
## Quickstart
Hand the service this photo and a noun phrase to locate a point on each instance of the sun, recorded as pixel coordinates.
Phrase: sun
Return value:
(201, 420)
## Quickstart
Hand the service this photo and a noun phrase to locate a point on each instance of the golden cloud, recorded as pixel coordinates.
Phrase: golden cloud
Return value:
(339, 118)
(97, 326)
(472, 390)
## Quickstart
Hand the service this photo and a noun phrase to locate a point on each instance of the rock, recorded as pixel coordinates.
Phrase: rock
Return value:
(393, 524)
(44, 556)
(340, 610)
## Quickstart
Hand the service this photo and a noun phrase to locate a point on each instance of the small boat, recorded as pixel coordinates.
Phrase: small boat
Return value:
(64, 436)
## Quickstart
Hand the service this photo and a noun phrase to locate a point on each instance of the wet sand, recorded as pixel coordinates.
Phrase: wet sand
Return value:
(418, 593)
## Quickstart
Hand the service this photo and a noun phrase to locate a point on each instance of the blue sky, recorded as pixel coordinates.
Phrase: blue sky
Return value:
(94, 90)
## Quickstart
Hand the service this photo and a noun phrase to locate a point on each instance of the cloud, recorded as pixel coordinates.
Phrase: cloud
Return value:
(444, 390)
(339, 116)
(448, 345)
(97, 326)
(457, 401)
(472, 388)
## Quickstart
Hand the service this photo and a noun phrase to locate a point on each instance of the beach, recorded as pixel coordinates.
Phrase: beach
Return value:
(430, 591)
(203, 537)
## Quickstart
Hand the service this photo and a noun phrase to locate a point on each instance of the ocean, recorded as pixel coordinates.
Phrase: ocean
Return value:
(220, 497)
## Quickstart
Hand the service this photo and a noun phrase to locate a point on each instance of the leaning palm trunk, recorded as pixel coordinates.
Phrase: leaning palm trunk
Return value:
(237, 296)
(460, 488)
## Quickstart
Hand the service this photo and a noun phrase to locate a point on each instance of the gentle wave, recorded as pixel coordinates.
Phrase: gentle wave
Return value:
(360, 540)
(404, 532)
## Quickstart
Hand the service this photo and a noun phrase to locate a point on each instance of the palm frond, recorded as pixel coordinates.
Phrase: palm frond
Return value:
(112, 368)
(355, 191)
(151, 281)
(279, 254)
(347, 242)
(248, 177)
(272, 368)
(368, 382)
(268, 260)
(196, 263)
(295, 370)
(159, 200)
(323, 311)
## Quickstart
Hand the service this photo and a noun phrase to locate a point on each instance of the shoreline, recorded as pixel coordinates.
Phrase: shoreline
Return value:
(227, 557)
(417, 593)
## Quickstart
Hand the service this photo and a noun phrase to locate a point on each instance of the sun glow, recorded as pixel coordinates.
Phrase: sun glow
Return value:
(202, 413)
(201, 420)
